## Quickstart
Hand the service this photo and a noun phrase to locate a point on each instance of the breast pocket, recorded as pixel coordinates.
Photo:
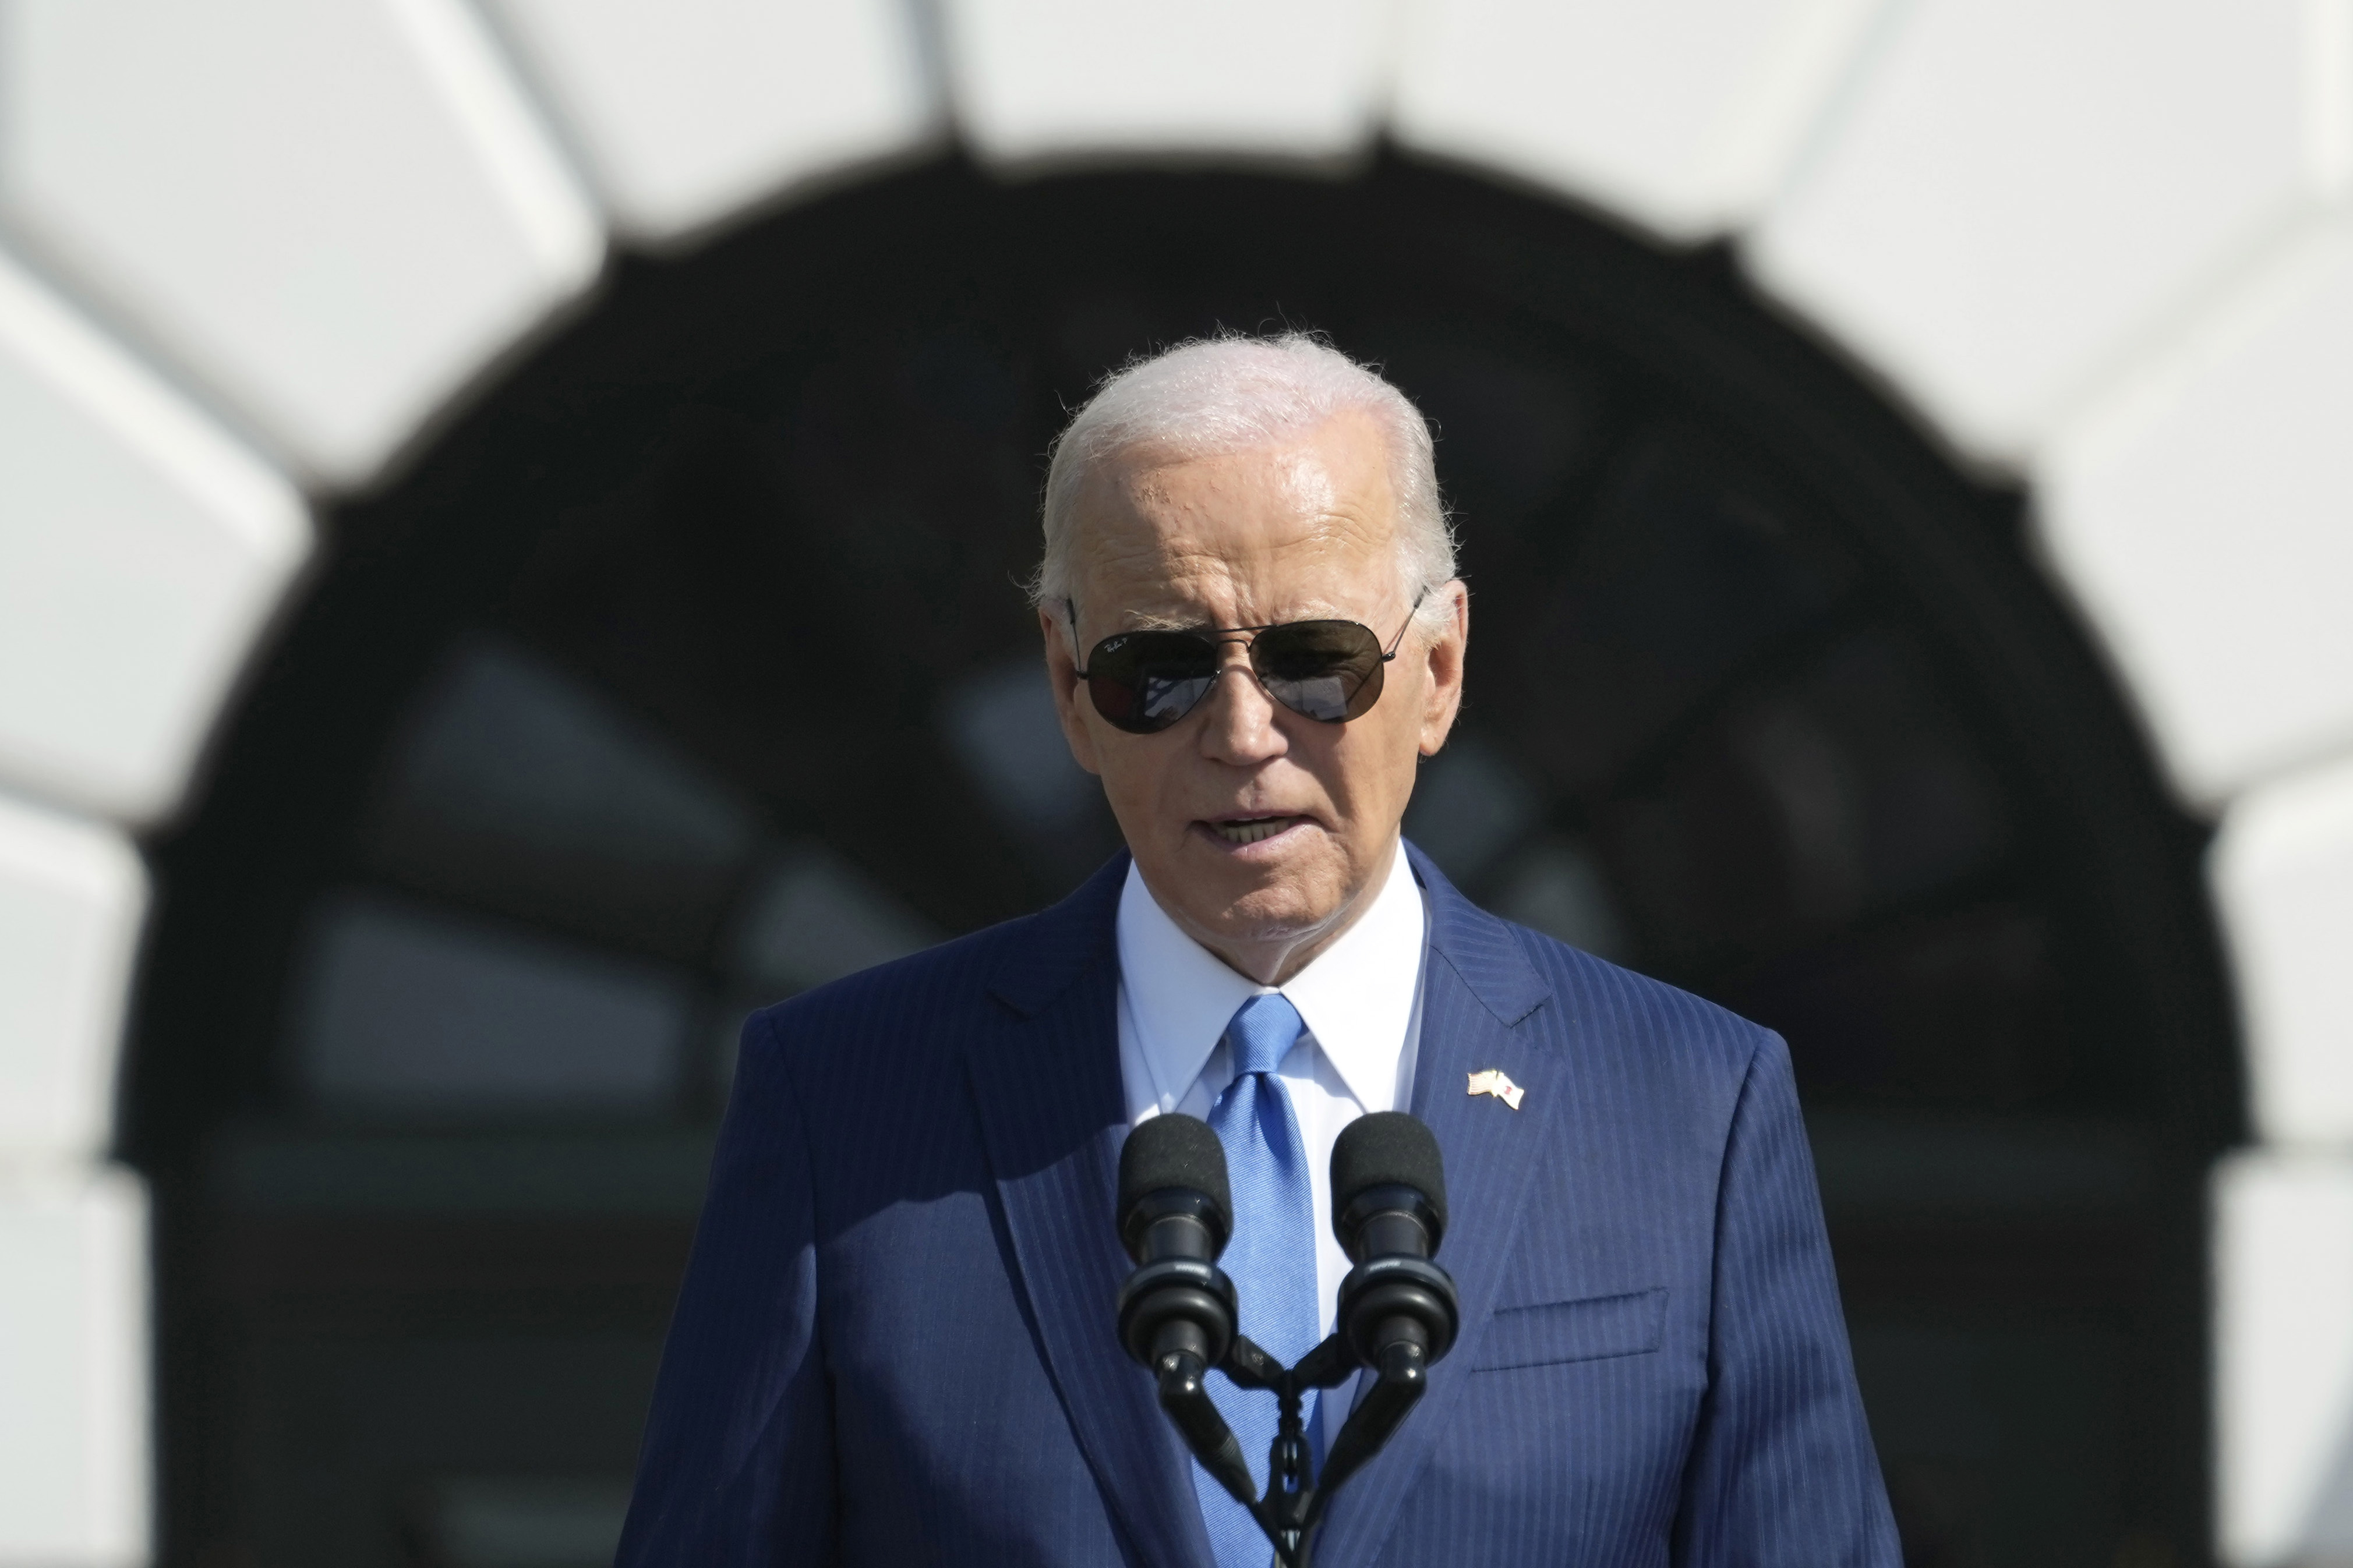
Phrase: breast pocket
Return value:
(1589, 1330)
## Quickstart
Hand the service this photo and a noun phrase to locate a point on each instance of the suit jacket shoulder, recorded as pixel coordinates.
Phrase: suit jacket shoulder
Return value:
(1649, 1312)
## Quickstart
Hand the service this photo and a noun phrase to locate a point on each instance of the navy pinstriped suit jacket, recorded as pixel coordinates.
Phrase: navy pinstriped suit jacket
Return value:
(894, 1344)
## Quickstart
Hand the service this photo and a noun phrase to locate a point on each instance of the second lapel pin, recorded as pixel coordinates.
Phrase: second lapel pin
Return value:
(1492, 1081)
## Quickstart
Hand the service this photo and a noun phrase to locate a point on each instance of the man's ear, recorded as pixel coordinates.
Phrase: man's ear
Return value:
(1445, 654)
(1063, 675)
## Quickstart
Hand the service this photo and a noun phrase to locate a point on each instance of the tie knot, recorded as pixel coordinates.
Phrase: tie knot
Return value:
(1262, 1033)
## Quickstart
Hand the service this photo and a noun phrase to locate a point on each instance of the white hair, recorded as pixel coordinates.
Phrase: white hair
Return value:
(1231, 393)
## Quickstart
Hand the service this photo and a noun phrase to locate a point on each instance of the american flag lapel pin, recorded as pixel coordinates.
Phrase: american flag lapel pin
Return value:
(1494, 1081)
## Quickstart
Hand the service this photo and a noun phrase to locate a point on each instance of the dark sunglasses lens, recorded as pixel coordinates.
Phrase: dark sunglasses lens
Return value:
(1145, 681)
(1329, 671)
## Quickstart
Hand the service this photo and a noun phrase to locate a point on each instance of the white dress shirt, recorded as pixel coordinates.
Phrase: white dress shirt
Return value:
(1361, 1000)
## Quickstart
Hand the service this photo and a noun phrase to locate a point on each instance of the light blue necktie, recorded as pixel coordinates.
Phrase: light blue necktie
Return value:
(1271, 1258)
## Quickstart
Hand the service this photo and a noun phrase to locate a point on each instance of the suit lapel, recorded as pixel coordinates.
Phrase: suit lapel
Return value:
(1483, 1005)
(1047, 1086)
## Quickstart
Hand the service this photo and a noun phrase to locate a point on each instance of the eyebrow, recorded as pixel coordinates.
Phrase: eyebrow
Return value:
(1149, 621)
(1140, 621)
(1153, 621)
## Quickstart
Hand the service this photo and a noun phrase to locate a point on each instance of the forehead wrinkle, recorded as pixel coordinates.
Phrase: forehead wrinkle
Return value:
(1156, 589)
(1171, 536)
(1192, 542)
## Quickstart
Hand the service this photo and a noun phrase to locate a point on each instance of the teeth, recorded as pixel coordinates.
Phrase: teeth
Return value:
(1252, 831)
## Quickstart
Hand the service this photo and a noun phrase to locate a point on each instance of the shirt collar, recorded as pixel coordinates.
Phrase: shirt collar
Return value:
(1357, 997)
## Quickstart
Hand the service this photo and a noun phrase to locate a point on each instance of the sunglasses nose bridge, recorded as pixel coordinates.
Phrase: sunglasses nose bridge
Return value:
(1249, 672)
(1239, 716)
(1232, 652)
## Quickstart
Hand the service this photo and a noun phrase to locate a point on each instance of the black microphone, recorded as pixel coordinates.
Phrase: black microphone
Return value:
(1398, 1314)
(1176, 1310)
(1397, 1308)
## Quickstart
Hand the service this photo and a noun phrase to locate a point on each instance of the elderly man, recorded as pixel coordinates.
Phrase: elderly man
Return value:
(895, 1343)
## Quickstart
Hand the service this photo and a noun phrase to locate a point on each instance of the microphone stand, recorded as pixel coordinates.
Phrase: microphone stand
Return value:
(1295, 1500)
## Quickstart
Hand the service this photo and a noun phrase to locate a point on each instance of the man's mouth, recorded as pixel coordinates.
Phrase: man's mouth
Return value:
(1252, 829)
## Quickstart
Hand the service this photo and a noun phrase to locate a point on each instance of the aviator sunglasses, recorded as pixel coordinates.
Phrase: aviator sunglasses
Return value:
(1329, 671)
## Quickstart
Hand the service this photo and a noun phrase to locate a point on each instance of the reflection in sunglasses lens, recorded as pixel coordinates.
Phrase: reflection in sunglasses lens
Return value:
(1170, 697)
(1325, 697)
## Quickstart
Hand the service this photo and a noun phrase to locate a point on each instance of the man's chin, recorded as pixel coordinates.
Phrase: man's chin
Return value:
(1263, 897)
(1279, 868)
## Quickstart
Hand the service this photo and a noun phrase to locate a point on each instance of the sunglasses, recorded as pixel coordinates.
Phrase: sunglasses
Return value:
(1329, 671)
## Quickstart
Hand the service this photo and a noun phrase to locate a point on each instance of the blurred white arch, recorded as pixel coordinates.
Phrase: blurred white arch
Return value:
(248, 248)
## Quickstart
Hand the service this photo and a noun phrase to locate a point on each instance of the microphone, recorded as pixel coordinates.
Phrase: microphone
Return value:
(1176, 1310)
(1398, 1309)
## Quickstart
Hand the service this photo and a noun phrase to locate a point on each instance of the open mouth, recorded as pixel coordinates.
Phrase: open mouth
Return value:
(1252, 829)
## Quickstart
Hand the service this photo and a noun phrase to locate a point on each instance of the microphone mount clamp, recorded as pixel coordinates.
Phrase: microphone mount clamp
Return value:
(1296, 1498)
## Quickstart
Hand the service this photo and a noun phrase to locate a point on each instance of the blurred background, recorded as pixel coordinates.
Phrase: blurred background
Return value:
(510, 520)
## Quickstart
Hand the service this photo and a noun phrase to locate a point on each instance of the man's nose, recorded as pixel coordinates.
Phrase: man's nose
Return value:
(1238, 720)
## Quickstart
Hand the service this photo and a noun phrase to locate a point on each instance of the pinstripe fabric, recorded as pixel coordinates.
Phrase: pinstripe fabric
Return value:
(1050, 1101)
(894, 1343)
(1711, 1422)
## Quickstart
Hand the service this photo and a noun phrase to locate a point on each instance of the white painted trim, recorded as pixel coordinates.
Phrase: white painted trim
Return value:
(97, 867)
(116, 1371)
(234, 484)
(518, 152)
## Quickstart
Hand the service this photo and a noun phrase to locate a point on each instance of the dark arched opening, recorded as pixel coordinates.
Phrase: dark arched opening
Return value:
(686, 668)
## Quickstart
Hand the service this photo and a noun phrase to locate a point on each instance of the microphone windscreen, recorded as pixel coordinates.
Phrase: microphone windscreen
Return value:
(1387, 1148)
(1173, 1151)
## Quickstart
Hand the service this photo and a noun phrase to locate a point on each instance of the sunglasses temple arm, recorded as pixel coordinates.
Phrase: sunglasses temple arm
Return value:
(1070, 609)
(1395, 643)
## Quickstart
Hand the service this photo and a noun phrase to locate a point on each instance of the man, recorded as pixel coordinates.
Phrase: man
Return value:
(895, 1342)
